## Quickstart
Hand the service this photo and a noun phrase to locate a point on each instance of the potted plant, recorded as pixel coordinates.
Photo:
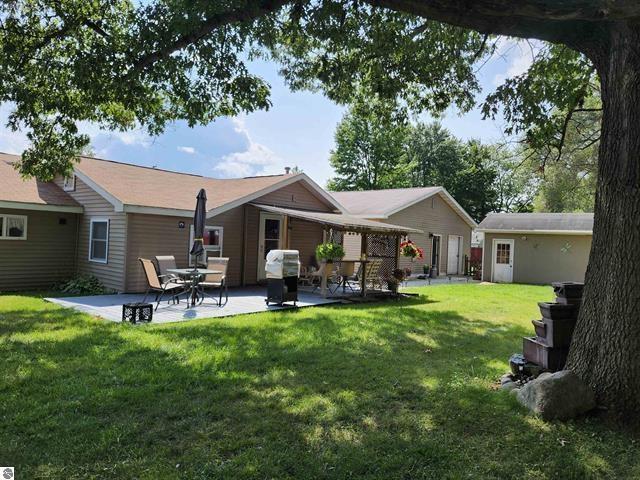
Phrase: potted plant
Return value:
(394, 281)
(411, 250)
(329, 251)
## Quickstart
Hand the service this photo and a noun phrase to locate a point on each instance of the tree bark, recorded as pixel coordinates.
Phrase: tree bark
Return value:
(606, 344)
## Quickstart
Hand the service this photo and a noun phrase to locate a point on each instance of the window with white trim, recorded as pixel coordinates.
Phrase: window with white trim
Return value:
(212, 242)
(13, 227)
(99, 240)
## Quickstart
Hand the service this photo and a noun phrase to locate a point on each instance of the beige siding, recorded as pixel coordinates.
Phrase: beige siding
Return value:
(112, 273)
(251, 258)
(47, 255)
(305, 237)
(352, 244)
(541, 259)
(296, 195)
(432, 215)
(151, 235)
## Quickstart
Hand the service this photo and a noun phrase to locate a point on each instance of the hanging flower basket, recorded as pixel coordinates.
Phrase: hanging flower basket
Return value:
(411, 250)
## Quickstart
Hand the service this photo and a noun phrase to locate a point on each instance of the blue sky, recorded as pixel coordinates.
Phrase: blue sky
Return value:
(297, 130)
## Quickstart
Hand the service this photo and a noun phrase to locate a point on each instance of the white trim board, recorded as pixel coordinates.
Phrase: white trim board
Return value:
(40, 207)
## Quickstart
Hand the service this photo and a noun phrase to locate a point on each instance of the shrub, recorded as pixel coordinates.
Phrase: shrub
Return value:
(329, 251)
(83, 285)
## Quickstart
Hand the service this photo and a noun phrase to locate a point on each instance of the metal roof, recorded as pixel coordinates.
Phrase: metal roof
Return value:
(340, 221)
(555, 223)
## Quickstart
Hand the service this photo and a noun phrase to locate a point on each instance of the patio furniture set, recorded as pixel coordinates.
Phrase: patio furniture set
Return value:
(165, 279)
(355, 275)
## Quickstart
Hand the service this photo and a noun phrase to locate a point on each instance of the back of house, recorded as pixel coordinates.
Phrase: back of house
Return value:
(537, 248)
(446, 226)
(107, 215)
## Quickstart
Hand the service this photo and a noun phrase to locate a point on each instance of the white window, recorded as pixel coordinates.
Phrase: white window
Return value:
(99, 240)
(13, 227)
(212, 243)
(69, 183)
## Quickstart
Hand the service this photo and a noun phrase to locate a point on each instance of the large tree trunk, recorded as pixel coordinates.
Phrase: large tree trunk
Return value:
(605, 350)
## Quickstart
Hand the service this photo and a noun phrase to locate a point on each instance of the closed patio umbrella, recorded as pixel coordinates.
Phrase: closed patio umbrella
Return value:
(199, 220)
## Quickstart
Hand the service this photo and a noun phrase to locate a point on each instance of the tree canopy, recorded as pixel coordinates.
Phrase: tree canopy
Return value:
(124, 66)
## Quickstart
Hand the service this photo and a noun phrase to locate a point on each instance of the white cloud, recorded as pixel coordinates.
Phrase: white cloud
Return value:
(256, 159)
(520, 54)
(189, 150)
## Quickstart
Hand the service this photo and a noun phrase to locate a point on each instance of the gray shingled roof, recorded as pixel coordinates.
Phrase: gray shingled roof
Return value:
(380, 202)
(545, 222)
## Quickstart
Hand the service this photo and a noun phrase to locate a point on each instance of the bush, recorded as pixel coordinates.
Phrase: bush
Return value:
(84, 285)
(329, 251)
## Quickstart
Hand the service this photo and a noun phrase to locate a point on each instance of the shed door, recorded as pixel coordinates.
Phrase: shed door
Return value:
(503, 261)
(454, 257)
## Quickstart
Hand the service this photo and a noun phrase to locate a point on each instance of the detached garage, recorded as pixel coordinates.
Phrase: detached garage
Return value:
(536, 247)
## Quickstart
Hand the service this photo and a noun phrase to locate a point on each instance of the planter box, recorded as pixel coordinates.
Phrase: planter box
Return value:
(568, 289)
(549, 358)
(554, 333)
(558, 311)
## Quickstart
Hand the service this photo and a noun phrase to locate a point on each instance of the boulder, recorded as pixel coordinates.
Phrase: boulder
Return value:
(561, 395)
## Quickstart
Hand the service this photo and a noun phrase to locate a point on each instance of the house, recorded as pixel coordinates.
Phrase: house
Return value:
(536, 247)
(445, 226)
(105, 216)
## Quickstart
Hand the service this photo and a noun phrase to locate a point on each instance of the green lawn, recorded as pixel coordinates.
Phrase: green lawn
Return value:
(395, 390)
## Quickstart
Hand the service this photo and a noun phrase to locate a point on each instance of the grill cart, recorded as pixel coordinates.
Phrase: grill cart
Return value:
(282, 269)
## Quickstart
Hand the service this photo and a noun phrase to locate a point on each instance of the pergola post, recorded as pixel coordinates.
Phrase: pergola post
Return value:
(363, 256)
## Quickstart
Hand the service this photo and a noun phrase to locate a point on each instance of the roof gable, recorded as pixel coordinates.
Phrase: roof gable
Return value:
(139, 189)
(381, 204)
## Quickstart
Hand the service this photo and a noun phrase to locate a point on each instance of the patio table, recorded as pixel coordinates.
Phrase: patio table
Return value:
(194, 274)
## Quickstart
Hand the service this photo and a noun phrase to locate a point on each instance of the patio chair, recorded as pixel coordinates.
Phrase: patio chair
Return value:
(158, 286)
(167, 262)
(372, 273)
(352, 279)
(217, 280)
(306, 277)
(332, 278)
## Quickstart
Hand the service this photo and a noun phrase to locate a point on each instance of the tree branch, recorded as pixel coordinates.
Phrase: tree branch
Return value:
(255, 9)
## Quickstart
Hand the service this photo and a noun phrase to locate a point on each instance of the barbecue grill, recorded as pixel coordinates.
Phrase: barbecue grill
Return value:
(282, 270)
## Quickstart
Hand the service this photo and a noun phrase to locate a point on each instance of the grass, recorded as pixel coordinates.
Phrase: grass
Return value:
(395, 390)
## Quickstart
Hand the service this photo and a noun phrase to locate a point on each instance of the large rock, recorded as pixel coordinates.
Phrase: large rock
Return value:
(561, 395)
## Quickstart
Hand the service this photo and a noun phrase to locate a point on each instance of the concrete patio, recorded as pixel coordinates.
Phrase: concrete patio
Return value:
(241, 301)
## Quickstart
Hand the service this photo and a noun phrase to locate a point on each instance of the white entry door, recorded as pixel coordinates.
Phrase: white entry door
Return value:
(503, 261)
(454, 255)
(270, 238)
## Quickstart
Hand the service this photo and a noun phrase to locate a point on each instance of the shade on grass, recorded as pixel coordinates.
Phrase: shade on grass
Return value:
(396, 390)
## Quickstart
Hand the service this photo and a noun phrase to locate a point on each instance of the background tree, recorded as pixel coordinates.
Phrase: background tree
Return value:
(369, 149)
(120, 65)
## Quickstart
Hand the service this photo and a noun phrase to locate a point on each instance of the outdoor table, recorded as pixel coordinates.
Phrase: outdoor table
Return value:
(194, 274)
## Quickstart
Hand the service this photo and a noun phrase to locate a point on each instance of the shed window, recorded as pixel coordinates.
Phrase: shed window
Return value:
(99, 240)
(13, 227)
